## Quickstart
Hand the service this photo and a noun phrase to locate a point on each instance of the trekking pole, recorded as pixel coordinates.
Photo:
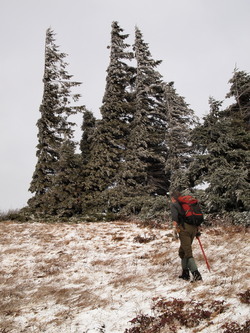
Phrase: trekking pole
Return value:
(203, 252)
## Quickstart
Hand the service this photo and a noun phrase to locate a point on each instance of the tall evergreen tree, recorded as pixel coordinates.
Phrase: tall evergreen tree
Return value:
(64, 196)
(109, 141)
(88, 129)
(54, 126)
(88, 133)
(181, 120)
(222, 142)
(239, 114)
(240, 90)
(143, 170)
(205, 139)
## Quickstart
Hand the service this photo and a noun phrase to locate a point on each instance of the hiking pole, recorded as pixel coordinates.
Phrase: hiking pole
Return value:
(203, 252)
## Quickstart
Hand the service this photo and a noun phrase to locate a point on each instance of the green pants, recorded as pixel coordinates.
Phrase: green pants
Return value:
(187, 235)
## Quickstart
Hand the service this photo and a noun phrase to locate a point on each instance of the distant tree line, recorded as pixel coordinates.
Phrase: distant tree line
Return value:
(147, 142)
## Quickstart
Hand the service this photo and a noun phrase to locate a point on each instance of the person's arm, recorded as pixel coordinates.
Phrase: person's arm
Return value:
(174, 214)
(175, 219)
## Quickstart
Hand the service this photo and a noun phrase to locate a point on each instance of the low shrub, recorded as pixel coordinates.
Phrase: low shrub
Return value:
(234, 327)
(174, 313)
(13, 215)
(245, 297)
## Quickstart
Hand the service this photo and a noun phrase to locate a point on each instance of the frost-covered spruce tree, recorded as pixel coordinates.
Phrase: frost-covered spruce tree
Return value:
(64, 196)
(204, 138)
(240, 90)
(88, 132)
(88, 129)
(222, 144)
(181, 120)
(143, 171)
(239, 158)
(68, 191)
(210, 144)
(110, 137)
(54, 126)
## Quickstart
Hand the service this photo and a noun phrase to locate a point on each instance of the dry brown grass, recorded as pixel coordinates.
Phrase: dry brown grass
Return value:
(100, 262)
(117, 238)
(59, 267)
(110, 249)
(126, 280)
(82, 280)
(43, 270)
(159, 258)
(11, 301)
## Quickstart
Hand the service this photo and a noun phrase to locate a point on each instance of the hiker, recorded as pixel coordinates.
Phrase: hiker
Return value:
(186, 233)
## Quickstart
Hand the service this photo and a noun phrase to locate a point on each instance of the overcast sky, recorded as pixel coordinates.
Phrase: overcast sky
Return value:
(199, 41)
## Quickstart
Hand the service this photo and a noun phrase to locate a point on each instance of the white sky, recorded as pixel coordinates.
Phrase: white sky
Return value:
(199, 41)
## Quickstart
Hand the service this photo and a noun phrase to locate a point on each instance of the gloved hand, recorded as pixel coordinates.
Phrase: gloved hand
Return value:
(175, 233)
(198, 234)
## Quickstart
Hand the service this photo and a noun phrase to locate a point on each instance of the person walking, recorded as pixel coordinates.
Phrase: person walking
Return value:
(186, 234)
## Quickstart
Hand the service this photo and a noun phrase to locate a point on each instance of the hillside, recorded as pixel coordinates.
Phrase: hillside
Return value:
(98, 277)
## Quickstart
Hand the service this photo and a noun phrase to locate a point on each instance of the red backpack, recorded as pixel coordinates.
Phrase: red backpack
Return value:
(192, 210)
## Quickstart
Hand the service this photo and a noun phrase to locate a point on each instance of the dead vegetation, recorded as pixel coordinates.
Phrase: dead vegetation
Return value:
(64, 277)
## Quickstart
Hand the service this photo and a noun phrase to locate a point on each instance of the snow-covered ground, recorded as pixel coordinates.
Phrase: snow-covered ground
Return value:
(97, 277)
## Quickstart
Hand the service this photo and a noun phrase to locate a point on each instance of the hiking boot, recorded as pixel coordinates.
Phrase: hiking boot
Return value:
(185, 275)
(196, 276)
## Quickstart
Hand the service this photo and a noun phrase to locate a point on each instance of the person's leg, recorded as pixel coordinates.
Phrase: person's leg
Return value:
(191, 264)
(184, 263)
(187, 235)
(186, 243)
(185, 271)
(184, 240)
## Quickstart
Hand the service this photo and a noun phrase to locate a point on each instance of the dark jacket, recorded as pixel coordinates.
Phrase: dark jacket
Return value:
(177, 212)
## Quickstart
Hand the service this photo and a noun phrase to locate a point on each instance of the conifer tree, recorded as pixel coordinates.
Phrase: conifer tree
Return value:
(109, 141)
(222, 142)
(239, 142)
(181, 120)
(64, 196)
(88, 129)
(88, 132)
(54, 126)
(240, 90)
(205, 138)
(143, 170)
